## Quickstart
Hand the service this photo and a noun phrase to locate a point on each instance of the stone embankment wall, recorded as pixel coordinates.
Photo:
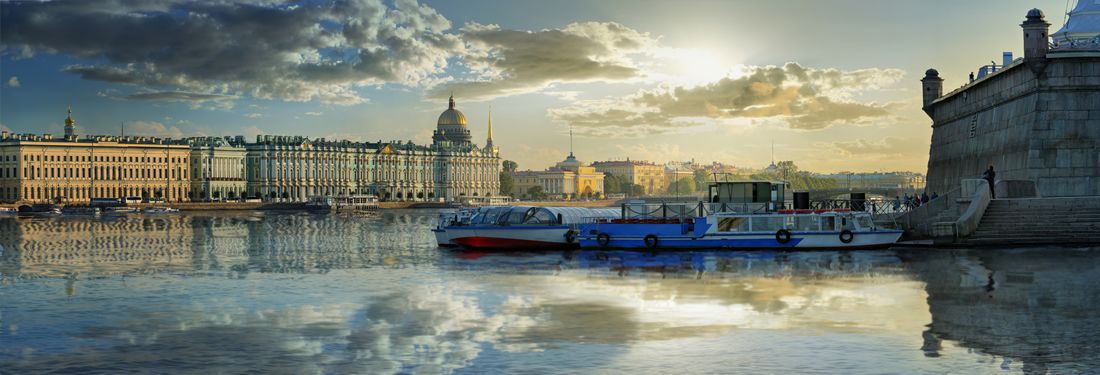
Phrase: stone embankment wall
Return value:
(1042, 127)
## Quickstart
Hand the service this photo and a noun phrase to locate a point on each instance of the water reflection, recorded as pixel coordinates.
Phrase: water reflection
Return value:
(1037, 306)
(239, 242)
(253, 292)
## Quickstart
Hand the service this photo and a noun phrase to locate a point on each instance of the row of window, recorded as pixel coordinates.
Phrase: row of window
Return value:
(111, 159)
(98, 173)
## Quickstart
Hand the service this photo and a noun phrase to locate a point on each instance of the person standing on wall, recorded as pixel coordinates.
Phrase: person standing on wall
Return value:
(990, 176)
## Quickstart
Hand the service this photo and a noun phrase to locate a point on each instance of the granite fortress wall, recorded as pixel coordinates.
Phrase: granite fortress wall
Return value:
(1036, 119)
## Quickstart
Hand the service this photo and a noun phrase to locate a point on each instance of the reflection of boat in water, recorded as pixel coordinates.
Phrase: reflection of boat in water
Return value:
(8, 210)
(505, 227)
(784, 229)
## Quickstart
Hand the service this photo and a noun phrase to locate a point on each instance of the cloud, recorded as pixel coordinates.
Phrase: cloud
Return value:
(13, 81)
(314, 113)
(253, 115)
(153, 129)
(294, 52)
(802, 98)
(508, 62)
(889, 146)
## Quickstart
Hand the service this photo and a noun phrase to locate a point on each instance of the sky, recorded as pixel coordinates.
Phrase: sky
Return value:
(834, 85)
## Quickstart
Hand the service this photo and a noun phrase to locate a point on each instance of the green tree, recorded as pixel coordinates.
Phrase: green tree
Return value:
(612, 184)
(683, 186)
(509, 166)
(535, 192)
(506, 183)
(632, 190)
(702, 179)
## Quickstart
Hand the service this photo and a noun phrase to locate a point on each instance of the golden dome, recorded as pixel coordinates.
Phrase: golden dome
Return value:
(69, 120)
(451, 116)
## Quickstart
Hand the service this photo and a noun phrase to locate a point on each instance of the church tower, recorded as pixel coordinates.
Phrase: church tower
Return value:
(70, 124)
(451, 127)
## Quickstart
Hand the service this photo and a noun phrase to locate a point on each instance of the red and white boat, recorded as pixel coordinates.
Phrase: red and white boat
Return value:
(508, 227)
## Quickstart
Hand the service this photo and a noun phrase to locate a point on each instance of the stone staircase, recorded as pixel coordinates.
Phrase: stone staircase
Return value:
(1073, 221)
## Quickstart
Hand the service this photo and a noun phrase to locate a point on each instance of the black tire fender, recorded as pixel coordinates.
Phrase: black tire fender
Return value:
(846, 236)
(650, 241)
(570, 236)
(782, 236)
(603, 239)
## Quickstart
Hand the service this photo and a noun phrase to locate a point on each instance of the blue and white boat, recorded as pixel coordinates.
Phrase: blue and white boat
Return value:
(782, 229)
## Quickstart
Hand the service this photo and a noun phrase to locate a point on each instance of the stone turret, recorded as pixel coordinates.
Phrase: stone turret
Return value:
(1036, 40)
(932, 87)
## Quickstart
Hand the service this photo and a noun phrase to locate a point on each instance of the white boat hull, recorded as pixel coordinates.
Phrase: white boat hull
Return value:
(505, 237)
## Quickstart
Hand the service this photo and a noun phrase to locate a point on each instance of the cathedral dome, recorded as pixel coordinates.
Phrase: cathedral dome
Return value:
(451, 116)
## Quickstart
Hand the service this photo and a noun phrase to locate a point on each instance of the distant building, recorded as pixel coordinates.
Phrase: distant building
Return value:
(569, 178)
(217, 168)
(675, 172)
(1035, 118)
(651, 177)
(43, 169)
(296, 168)
(285, 168)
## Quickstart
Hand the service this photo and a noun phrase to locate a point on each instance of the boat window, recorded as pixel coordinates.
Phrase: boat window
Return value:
(490, 216)
(767, 223)
(802, 223)
(541, 216)
(514, 216)
(847, 223)
(828, 223)
(865, 222)
(733, 224)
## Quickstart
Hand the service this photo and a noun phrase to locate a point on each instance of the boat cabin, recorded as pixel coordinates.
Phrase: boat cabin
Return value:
(774, 192)
(795, 221)
(530, 215)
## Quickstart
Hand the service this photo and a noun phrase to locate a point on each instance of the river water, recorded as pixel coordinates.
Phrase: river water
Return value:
(216, 293)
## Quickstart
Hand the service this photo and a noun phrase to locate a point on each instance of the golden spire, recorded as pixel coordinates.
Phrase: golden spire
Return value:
(69, 120)
(490, 124)
(451, 101)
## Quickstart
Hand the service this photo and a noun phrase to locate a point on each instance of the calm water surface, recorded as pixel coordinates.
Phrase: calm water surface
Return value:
(302, 294)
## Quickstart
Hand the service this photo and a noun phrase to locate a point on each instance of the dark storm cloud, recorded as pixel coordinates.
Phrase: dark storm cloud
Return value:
(514, 61)
(803, 98)
(286, 50)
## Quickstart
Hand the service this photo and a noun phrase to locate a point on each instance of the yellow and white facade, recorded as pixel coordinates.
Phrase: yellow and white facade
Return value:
(651, 177)
(568, 179)
(43, 169)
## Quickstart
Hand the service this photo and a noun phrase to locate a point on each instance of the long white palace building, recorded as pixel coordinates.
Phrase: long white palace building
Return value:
(280, 168)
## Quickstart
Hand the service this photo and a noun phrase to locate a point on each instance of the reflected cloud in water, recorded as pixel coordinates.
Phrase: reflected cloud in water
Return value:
(255, 292)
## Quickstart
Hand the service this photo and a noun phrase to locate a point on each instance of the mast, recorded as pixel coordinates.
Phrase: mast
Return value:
(570, 140)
